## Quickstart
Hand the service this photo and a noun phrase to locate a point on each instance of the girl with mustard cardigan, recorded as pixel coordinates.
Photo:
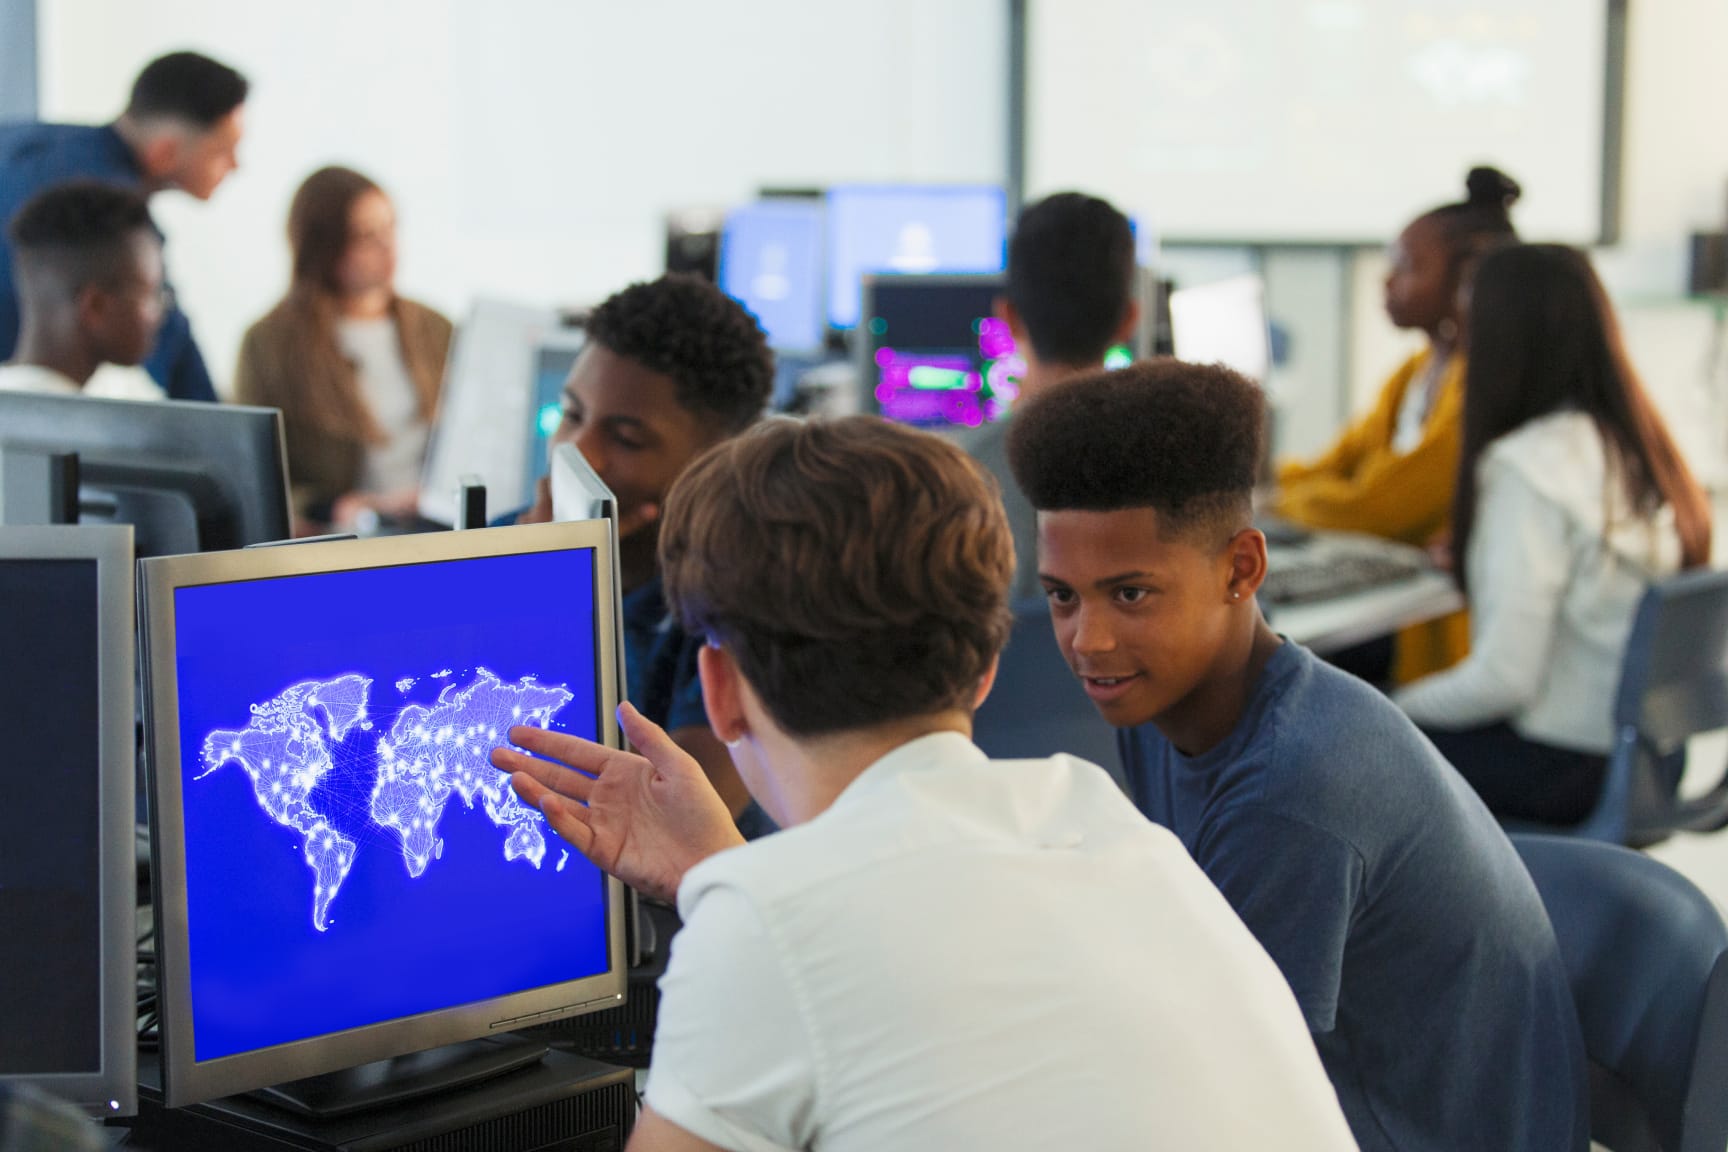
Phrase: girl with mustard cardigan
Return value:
(1392, 473)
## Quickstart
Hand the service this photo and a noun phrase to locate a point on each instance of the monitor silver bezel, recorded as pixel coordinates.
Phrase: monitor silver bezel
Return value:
(110, 546)
(186, 1080)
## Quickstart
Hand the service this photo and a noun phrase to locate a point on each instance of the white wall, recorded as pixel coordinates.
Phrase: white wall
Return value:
(534, 146)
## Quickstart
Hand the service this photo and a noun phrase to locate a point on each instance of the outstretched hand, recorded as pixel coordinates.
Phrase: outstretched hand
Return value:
(646, 819)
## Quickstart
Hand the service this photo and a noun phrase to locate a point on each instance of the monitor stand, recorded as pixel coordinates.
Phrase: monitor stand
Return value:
(397, 1081)
(557, 1101)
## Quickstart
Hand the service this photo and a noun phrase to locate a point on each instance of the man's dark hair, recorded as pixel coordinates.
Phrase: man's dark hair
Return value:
(74, 234)
(1071, 276)
(684, 327)
(186, 86)
(1182, 439)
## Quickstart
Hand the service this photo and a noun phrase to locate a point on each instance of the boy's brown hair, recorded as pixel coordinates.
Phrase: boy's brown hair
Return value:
(856, 570)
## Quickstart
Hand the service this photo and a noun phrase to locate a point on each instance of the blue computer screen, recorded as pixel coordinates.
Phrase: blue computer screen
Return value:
(351, 856)
(909, 230)
(771, 262)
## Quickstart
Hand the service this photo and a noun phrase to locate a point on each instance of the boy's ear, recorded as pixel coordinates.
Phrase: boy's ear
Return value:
(988, 682)
(1130, 324)
(1010, 315)
(93, 303)
(721, 695)
(1247, 555)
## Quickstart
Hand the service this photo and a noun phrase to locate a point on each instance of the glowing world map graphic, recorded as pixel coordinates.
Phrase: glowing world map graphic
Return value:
(319, 766)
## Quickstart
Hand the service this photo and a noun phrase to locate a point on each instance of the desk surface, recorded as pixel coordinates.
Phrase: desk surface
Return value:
(1328, 626)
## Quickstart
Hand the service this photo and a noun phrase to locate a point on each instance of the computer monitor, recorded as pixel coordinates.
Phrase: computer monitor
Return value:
(771, 262)
(554, 358)
(909, 229)
(488, 416)
(188, 477)
(932, 353)
(341, 876)
(1224, 323)
(68, 937)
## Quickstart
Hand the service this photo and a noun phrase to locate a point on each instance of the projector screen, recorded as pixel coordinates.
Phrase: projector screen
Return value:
(1318, 121)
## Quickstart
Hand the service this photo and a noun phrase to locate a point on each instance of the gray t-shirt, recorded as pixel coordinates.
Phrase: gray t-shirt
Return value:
(989, 446)
(1410, 931)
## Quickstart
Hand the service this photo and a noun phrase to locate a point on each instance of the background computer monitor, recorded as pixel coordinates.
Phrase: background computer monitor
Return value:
(487, 417)
(933, 354)
(68, 937)
(909, 229)
(771, 262)
(188, 477)
(554, 358)
(319, 719)
(1224, 323)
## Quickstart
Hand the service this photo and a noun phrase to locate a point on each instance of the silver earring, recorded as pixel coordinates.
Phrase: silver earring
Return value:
(734, 745)
(1235, 595)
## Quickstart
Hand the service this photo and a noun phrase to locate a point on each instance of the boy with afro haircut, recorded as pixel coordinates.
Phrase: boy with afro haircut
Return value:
(672, 367)
(941, 951)
(1402, 917)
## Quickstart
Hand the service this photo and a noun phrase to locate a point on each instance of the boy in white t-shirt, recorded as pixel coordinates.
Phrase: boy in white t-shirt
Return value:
(88, 264)
(939, 951)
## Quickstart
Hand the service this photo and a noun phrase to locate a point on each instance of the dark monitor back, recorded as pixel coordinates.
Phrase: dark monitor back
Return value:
(50, 797)
(189, 477)
(67, 929)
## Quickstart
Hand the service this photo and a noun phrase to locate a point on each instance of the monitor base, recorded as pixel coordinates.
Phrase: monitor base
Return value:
(560, 1103)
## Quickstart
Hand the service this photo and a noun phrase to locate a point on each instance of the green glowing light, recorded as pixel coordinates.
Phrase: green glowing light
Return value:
(878, 326)
(548, 419)
(1118, 357)
(936, 379)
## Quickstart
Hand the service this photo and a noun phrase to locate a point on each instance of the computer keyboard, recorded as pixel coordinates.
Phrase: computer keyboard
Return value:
(1303, 576)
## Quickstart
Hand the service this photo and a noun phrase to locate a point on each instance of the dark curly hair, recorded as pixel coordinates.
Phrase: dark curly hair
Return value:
(1071, 276)
(1182, 439)
(686, 328)
(856, 570)
(75, 234)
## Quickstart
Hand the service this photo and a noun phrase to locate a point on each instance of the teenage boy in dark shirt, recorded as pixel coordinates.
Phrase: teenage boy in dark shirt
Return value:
(1413, 938)
(672, 367)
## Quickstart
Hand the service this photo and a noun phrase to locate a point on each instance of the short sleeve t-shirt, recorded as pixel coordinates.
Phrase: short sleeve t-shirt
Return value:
(968, 953)
(1402, 917)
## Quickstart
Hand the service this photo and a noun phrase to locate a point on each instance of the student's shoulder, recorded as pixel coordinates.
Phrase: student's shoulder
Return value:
(423, 318)
(71, 150)
(1331, 734)
(1556, 455)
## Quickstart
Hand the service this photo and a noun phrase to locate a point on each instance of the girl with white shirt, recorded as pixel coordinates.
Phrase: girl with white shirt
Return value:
(1571, 499)
(355, 368)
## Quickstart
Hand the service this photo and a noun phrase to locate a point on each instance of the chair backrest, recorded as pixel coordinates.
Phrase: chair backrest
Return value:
(1674, 676)
(1037, 707)
(1647, 955)
(1673, 685)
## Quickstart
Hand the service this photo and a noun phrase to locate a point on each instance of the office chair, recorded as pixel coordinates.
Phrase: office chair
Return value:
(1673, 685)
(1037, 707)
(1645, 953)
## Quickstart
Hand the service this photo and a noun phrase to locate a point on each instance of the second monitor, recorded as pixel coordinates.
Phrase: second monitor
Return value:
(910, 230)
(933, 353)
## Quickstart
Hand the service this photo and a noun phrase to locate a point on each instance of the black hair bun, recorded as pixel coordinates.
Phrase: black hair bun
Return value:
(1491, 188)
